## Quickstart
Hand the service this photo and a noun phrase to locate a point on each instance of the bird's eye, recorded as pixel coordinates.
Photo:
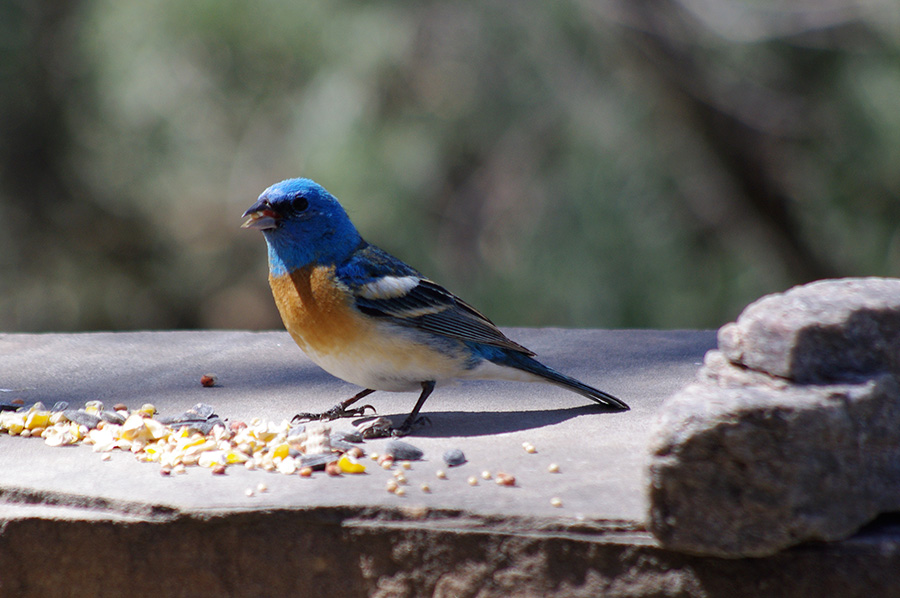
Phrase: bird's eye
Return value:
(299, 203)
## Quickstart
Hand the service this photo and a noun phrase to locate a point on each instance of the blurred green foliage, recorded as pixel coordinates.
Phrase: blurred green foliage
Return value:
(619, 163)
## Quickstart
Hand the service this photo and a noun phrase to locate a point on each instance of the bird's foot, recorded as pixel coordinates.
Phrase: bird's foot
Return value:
(409, 425)
(378, 427)
(336, 412)
(339, 411)
(382, 427)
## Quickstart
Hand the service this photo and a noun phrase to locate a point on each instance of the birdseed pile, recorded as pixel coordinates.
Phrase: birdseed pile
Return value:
(197, 437)
(200, 438)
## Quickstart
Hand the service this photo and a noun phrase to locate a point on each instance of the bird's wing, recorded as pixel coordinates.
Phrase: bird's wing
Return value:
(385, 287)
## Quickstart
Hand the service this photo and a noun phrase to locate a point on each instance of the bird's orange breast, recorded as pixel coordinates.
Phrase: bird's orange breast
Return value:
(317, 309)
(319, 313)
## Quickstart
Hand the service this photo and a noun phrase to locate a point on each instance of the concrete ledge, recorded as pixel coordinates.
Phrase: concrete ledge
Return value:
(71, 523)
(343, 552)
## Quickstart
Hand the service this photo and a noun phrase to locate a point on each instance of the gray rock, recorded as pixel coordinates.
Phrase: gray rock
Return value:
(829, 331)
(754, 457)
(403, 451)
(748, 471)
(454, 457)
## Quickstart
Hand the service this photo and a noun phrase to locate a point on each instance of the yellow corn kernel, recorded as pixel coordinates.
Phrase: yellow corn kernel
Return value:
(349, 465)
(37, 419)
(232, 457)
(282, 450)
(15, 426)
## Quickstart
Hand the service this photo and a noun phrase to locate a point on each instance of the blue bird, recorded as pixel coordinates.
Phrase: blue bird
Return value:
(370, 319)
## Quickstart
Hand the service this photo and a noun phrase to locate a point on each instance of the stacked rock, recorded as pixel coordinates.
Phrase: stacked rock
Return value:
(791, 431)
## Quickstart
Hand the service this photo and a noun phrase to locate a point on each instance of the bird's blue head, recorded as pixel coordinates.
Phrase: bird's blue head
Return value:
(303, 224)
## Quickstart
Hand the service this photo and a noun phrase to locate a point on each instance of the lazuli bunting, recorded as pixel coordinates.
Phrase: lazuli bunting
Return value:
(372, 320)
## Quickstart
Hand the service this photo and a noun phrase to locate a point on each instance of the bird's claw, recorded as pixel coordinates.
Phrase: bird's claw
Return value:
(339, 411)
(408, 426)
(304, 417)
(335, 412)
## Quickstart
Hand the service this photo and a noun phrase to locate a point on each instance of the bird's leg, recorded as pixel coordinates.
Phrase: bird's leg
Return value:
(412, 418)
(339, 410)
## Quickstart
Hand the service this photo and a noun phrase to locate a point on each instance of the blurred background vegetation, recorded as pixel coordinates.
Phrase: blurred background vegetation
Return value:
(608, 163)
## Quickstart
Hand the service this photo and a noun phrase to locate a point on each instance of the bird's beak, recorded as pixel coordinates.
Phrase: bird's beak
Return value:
(261, 216)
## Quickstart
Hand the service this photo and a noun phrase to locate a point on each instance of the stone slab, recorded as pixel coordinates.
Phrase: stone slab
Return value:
(265, 375)
(70, 522)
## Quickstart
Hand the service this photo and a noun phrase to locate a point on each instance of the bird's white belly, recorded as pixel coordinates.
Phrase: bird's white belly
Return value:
(404, 370)
(389, 362)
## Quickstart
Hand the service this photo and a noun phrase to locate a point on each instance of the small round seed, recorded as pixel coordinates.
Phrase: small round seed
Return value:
(485, 475)
(505, 479)
(556, 502)
(473, 481)
(441, 474)
(553, 468)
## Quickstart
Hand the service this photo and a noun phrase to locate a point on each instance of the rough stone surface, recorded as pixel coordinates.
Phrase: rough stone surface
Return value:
(341, 553)
(71, 524)
(828, 331)
(791, 431)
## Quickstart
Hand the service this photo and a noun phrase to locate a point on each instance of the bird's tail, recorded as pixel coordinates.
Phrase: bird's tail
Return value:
(526, 363)
(594, 394)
